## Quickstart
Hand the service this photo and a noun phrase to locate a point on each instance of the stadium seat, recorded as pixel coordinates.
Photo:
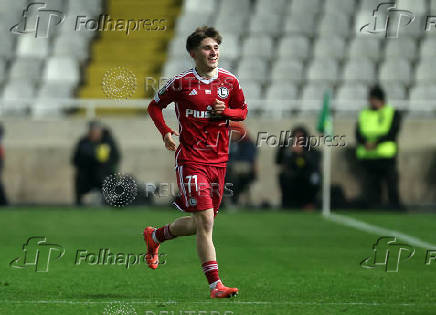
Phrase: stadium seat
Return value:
(307, 8)
(2, 70)
(7, 45)
(323, 70)
(396, 70)
(265, 24)
(415, 29)
(62, 69)
(334, 24)
(17, 96)
(418, 7)
(232, 8)
(394, 91)
(29, 46)
(252, 89)
(313, 94)
(364, 48)
(300, 24)
(329, 47)
(252, 69)
(73, 46)
(187, 23)
(227, 64)
(206, 7)
(360, 70)
(281, 91)
(297, 47)
(176, 66)
(428, 47)
(403, 47)
(351, 97)
(230, 47)
(268, 7)
(422, 98)
(287, 70)
(423, 73)
(26, 68)
(340, 7)
(87, 7)
(56, 90)
(258, 46)
(231, 23)
(177, 46)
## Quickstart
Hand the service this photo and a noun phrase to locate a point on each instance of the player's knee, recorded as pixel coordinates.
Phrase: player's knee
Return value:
(204, 221)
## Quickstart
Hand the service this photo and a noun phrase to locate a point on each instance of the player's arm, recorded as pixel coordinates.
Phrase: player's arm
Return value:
(237, 109)
(165, 96)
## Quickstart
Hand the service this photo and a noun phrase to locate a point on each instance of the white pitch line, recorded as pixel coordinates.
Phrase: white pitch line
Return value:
(215, 303)
(380, 231)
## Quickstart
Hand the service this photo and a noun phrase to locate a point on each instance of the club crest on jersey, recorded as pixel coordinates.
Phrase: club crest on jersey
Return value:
(192, 202)
(223, 92)
(197, 113)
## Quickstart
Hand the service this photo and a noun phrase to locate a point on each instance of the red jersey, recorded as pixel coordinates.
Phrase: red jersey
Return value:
(204, 139)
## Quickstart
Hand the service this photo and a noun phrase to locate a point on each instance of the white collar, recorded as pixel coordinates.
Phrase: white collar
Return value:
(205, 81)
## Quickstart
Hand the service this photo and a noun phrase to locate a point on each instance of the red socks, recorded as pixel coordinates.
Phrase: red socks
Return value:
(210, 269)
(163, 234)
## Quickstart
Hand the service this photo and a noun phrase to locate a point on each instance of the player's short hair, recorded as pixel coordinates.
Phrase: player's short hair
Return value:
(201, 33)
(377, 92)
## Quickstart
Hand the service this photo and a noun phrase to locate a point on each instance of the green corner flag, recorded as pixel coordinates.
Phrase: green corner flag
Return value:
(325, 118)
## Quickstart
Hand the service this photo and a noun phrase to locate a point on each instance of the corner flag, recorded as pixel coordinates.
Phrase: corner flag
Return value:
(325, 126)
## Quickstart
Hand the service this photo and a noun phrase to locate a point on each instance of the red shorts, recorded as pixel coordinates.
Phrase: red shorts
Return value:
(201, 187)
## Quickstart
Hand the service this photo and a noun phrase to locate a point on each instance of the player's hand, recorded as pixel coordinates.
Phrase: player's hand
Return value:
(169, 142)
(218, 107)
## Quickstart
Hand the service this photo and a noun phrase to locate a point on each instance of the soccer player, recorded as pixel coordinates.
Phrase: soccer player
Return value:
(206, 98)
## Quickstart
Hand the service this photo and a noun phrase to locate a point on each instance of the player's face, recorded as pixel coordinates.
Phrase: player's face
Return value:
(207, 54)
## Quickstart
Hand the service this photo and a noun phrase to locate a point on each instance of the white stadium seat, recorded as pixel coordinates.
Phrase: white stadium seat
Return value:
(394, 91)
(232, 23)
(424, 71)
(332, 47)
(364, 48)
(428, 47)
(402, 47)
(265, 24)
(299, 24)
(281, 91)
(323, 70)
(199, 6)
(297, 47)
(340, 6)
(62, 69)
(26, 68)
(187, 23)
(230, 47)
(289, 70)
(252, 69)
(2, 70)
(351, 97)
(267, 7)
(252, 89)
(396, 70)
(308, 8)
(418, 7)
(258, 46)
(360, 70)
(334, 24)
(232, 7)
(29, 46)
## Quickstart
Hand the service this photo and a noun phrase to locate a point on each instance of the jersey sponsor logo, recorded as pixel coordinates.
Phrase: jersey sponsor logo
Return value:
(223, 92)
(197, 113)
(208, 91)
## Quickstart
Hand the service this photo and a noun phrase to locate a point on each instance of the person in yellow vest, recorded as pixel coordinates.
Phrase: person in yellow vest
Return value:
(377, 149)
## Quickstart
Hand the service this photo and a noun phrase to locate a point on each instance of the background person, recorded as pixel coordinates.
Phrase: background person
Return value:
(95, 157)
(377, 149)
(242, 164)
(299, 176)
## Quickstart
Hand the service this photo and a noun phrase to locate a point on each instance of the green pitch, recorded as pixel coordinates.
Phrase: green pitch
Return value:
(282, 263)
